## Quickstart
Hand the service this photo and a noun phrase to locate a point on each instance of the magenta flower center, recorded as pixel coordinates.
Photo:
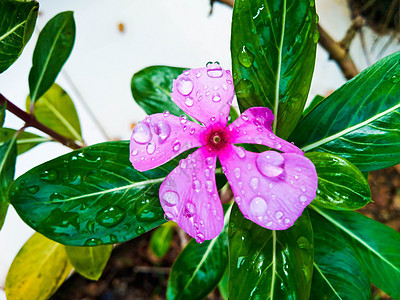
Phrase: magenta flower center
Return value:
(215, 139)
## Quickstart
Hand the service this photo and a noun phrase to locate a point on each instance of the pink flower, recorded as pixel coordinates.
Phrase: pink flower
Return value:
(271, 188)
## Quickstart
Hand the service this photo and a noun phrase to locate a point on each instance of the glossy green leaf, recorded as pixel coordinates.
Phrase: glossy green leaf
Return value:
(338, 271)
(8, 155)
(314, 102)
(340, 184)
(89, 261)
(17, 21)
(223, 285)
(25, 140)
(53, 47)
(56, 110)
(37, 271)
(359, 121)
(91, 196)
(273, 47)
(265, 264)
(161, 239)
(199, 267)
(2, 113)
(151, 89)
(377, 245)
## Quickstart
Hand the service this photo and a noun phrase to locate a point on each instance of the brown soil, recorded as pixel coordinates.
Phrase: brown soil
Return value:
(133, 272)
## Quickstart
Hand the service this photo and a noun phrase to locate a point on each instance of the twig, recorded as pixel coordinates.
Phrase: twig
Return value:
(31, 121)
(335, 49)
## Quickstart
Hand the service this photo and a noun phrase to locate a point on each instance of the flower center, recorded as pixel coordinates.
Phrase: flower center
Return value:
(215, 138)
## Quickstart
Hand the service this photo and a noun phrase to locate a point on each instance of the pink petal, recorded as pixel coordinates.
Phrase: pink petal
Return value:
(206, 94)
(161, 137)
(254, 127)
(271, 188)
(189, 196)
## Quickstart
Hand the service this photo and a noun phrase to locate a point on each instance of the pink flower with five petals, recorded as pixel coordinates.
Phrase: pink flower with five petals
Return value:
(272, 188)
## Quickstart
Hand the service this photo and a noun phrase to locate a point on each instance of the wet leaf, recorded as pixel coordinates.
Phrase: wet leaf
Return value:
(17, 21)
(161, 239)
(39, 268)
(25, 140)
(53, 48)
(2, 114)
(89, 261)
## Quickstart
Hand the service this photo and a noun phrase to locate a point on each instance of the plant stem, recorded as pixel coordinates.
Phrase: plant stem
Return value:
(31, 121)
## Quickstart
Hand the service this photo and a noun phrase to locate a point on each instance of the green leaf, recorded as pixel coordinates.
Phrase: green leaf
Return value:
(151, 89)
(91, 196)
(265, 264)
(340, 184)
(8, 155)
(89, 261)
(223, 285)
(377, 245)
(338, 271)
(56, 110)
(2, 113)
(161, 239)
(199, 267)
(359, 121)
(25, 140)
(17, 21)
(314, 102)
(273, 48)
(37, 271)
(53, 47)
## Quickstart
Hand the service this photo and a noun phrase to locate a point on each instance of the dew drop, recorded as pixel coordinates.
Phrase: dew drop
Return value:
(141, 133)
(258, 140)
(90, 227)
(49, 175)
(166, 113)
(240, 152)
(183, 119)
(113, 239)
(286, 221)
(93, 242)
(33, 189)
(214, 70)
(185, 86)
(303, 198)
(224, 87)
(163, 130)
(196, 185)
(279, 215)
(168, 216)
(258, 206)
(245, 57)
(150, 148)
(140, 230)
(237, 172)
(170, 198)
(134, 152)
(198, 74)
(189, 101)
(176, 145)
(315, 36)
(216, 97)
(270, 163)
(209, 185)
(254, 183)
(190, 209)
(200, 238)
(244, 117)
(56, 196)
(192, 131)
(110, 216)
(245, 88)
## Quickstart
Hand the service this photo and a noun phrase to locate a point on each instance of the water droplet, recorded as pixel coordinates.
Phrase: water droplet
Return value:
(209, 161)
(207, 172)
(170, 198)
(183, 163)
(244, 117)
(240, 152)
(316, 36)
(184, 86)
(258, 206)
(192, 131)
(141, 134)
(198, 74)
(150, 148)
(168, 216)
(303, 243)
(111, 216)
(190, 210)
(214, 70)
(176, 145)
(286, 221)
(209, 185)
(162, 130)
(216, 97)
(189, 101)
(140, 230)
(237, 172)
(270, 163)
(224, 87)
(312, 3)
(258, 140)
(298, 38)
(33, 189)
(395, 79)
(254, 183)
(303, 198)
(166, 113)
(93, 242)
(56, 196)
(49, 175)
(134, 152)
(279, 215)
(200, 238)
(183, 119)
(271, 136)
(245, 57)
(303, 189)
(196, 185)
(113, 239)
(245, 88)
(90, 227)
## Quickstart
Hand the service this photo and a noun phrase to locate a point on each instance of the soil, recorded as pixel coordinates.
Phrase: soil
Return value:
(134, 272)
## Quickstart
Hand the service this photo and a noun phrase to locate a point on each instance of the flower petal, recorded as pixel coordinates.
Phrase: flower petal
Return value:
(189, 196)
(206, 94)
(161, 137)
(254, 127)
(271, 188)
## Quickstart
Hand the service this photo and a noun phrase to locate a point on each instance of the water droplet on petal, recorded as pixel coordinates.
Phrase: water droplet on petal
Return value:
(163, 130)
(286, 221)
(176, 145)
(271, 136)
(244, 117)
(240, 152)
(258, 140)
(134, 152)
(192, 131)
(216, 97)
(200, 238)
(279, 215)
(214, 70)
(190, 209)
(258, 206)
(170, 198)
(185, 86)
(189, 101)
(198, 74)
(209, 185)
(141, 133)
(168, 216)
(270, 163)
(166, 113)
(183, 119)
(254, 183)
(209, 161)
(303, 198)
(196, 185)
(150, 148)
(237, 172)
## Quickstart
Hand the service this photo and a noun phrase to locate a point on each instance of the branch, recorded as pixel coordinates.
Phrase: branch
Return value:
(338, 51)
(30, 120)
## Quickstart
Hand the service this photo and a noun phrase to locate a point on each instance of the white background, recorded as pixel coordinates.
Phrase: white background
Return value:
(157, 32)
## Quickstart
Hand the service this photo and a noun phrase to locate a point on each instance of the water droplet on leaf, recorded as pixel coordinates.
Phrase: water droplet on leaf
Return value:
(245, 57)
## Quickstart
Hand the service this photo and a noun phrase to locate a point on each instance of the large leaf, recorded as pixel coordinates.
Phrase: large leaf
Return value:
(39, 268)
(17, 21)
(265, 264)
(359, 121)
(25, 140)
(8, 155)
(377, 245)
(273, 54)
(2, 113)
(151, 89)
(161, 239)
(199, 267)
(56, 110)
(89, 261)
(340, 184)
(53, 47)
(338, 271)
